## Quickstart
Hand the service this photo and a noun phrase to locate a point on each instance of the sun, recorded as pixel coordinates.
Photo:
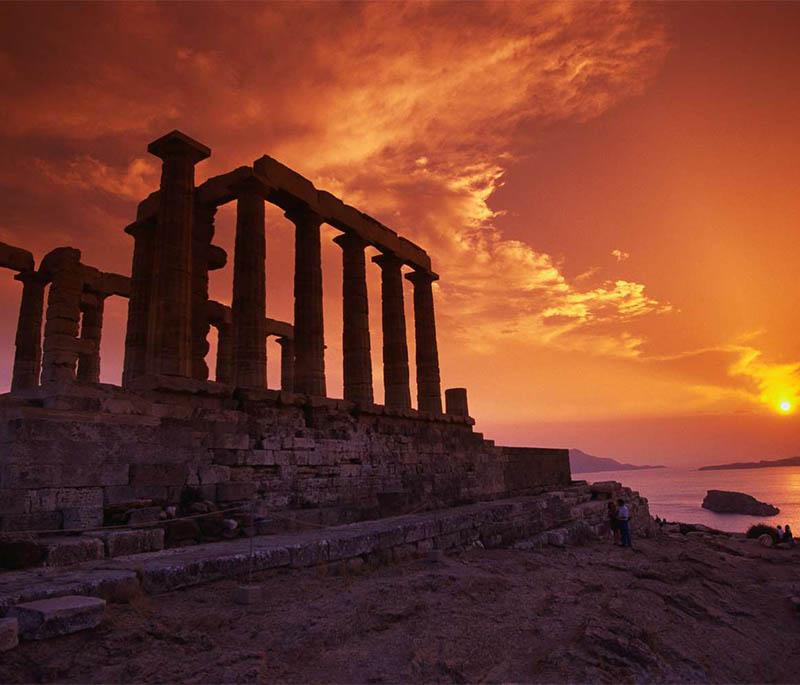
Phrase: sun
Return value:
(784, 406)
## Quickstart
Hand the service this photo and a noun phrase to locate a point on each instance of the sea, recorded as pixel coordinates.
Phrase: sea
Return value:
(676, 494)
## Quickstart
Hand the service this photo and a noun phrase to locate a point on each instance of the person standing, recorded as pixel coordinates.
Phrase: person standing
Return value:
(613, 523)
(624, 519)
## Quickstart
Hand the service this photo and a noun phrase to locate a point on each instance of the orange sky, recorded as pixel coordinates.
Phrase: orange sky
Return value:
(609, 191)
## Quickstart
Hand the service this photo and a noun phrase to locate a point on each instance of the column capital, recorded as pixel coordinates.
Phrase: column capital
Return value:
(350, 241)
(282, 340)
(420, 276)
(388, 260)
(303, 214)
(177, 145)
(30, 277)
(248, 186)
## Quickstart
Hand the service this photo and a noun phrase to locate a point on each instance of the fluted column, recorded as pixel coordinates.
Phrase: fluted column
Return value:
(139, 302)
(357, 362)
(429, 389)
(249, 308)
(395, 344)
(169, 330)
(202, 234)
(61, 345)
(28, 353)
(287, 363)
(224, 352)
(309, 336)
(91, 333)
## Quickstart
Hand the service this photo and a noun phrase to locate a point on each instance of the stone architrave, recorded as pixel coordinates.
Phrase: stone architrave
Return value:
(429, 389)
(91, 332)
(309, 335)
(249, 288)
(395, 344)
(169, 330)
(28, 353)
(357, 362)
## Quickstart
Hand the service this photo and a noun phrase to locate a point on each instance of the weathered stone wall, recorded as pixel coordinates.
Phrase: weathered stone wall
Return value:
(69, 453)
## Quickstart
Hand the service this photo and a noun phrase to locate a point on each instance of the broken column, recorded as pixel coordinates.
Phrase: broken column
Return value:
(456, 401)
(249, 288)
(287, 363)
(395, 344)
(309, 336)
(169, 330)
(61, 345)
(429, 390)
(202, 234)
(139, 304)
(357, 363)
(28, 353)
(92, 306)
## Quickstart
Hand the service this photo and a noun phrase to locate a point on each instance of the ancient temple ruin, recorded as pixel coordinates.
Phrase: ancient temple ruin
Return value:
(73, 449)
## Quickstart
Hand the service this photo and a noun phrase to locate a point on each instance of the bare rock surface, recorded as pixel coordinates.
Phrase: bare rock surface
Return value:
(46, 618)
(729, 502)
(674, 609)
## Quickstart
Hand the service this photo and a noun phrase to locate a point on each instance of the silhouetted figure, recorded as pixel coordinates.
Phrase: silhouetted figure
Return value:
(613, 523)
(624, 520)
(780, 534)
(787, 535)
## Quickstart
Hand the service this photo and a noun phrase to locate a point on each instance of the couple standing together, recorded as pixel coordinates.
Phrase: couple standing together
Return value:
(619, 517)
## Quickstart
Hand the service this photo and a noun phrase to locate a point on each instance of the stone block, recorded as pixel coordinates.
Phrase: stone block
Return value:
(43, 520)
(64, 551)
(46, 618)
(213, 473)
(141, 515)
(229, 441)
(125, 542)
(181, 530)
(15, 554)
(158, 474)
(9, 633)
(82, 518)
(61, 498)
(235, 491)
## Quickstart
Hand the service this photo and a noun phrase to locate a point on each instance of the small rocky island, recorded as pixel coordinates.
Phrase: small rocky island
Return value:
(728, 502)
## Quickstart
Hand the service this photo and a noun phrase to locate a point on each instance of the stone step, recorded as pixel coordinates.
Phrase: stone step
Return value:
(46, 618)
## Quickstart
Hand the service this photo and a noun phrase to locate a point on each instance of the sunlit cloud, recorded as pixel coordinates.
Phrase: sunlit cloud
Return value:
(619, 255)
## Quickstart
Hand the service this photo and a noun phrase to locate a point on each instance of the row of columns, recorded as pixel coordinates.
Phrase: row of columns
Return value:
(168, 324)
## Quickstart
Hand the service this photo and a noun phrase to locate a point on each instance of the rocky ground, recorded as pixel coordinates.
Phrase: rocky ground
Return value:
(674, 609)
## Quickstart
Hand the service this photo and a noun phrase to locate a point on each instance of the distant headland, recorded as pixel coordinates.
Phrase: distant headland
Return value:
(763, 464)
(580, 462)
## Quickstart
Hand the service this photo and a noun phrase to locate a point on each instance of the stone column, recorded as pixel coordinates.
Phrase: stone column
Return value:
(249, 305)
(429, 389)
(169, 330)
(139, 302)
(357, 362)
(287, 363)
(309, 336)
(28, 353)
(202, 234)
(61, 344)
(395, 345)
(224, 352)
(91, 332)
(456, 401)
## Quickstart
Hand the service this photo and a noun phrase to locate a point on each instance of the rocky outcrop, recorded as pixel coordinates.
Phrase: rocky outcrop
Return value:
(728, 502)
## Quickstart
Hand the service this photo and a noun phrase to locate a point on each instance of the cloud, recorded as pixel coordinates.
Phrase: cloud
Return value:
(135, 181)
(619, 255)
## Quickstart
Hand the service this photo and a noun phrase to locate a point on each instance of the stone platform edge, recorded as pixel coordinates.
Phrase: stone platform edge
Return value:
(493, 523)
